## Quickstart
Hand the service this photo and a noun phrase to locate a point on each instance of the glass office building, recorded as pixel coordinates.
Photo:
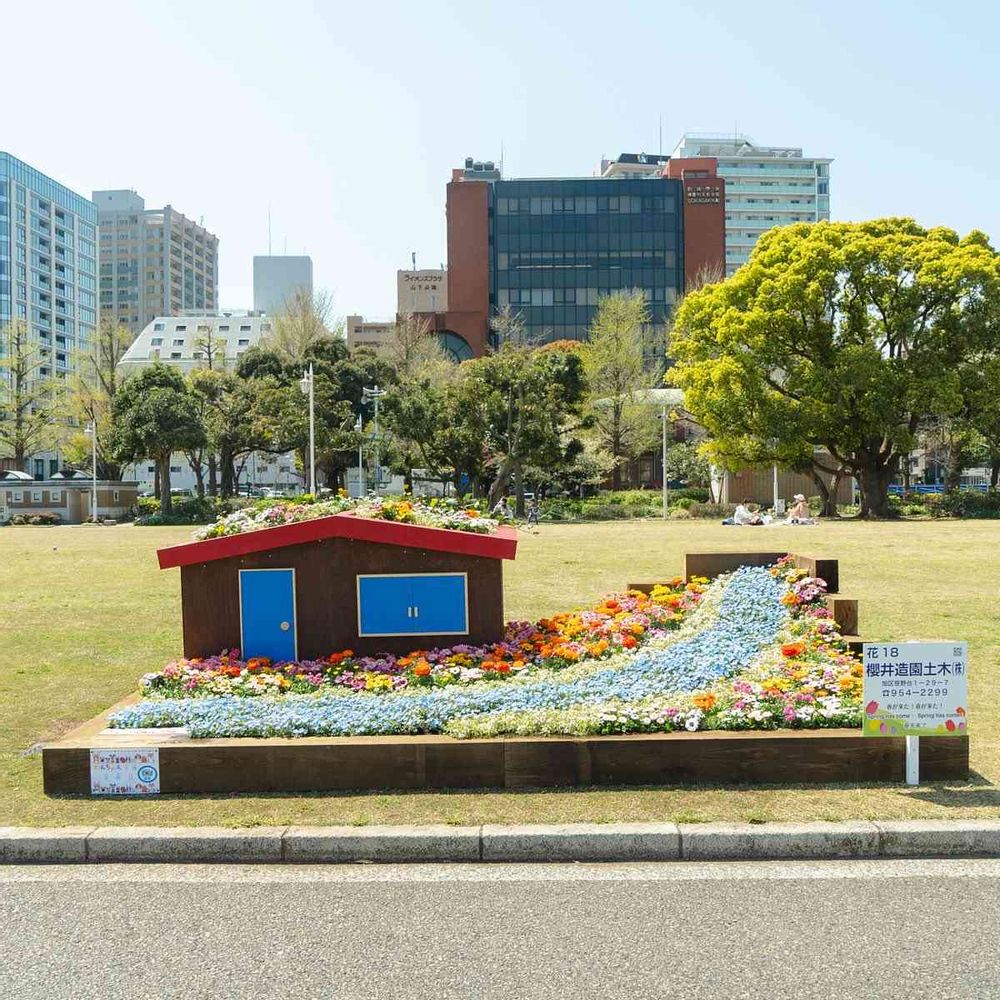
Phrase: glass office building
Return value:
(557, 246)
(48, 270)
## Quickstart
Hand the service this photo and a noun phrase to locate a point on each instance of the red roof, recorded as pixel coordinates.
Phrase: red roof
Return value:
(501, 544)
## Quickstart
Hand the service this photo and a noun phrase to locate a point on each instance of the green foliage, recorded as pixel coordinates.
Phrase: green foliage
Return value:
(153, 415)
(617, 377)
(839, 335)
(965, 503)
(41, 518)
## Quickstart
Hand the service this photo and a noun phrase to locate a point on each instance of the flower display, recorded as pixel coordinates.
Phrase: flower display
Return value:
(736, 653)
(620, 622)
(443, 512)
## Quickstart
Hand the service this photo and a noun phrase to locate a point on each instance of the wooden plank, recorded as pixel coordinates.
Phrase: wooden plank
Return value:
(826, 569)
(845, 613)
(316, 764)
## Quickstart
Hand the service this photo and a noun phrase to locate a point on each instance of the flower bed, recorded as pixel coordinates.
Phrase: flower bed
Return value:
(434, 513)
(753, 650)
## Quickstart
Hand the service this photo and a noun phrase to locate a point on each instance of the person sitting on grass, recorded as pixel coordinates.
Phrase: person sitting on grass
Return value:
(746, 514)
(798, 513)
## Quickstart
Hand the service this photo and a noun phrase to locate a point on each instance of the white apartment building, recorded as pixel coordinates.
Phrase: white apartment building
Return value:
(202, 341)
(766, 186)
(196, 341)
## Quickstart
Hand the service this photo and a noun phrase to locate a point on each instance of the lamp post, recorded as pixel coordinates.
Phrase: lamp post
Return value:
(376, 394)
(358, 425)
(663, 458)
(306, 385)
(91, 431)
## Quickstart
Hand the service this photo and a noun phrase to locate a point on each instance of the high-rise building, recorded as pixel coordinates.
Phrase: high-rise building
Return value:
(276, 279)
(48, 271)
(548, 249)
(154, 262)
(766, 186)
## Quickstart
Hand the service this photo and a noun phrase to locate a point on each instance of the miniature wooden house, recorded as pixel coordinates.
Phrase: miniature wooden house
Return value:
(305, 590)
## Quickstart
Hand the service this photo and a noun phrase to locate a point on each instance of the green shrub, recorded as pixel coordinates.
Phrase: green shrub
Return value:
(186, 510)
(699, 494)
(684, 503)
(680, 513)
(41, 518)
(964, 503)
(714, 510)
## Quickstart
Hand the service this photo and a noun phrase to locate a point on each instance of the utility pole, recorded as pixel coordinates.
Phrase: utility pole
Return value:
(376, 394)
(306, 385)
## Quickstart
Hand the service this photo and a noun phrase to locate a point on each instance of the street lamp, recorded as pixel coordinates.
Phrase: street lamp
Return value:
(663, 461)
(91, 431)
(306, 385)
(376, 394)
(358, 425)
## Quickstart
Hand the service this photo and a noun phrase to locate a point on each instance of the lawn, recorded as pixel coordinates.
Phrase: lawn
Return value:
(84, 611)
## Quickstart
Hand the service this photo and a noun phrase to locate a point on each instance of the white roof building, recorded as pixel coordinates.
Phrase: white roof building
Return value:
(189, 342)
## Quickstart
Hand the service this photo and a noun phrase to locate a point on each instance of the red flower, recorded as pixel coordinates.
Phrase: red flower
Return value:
(791, 649)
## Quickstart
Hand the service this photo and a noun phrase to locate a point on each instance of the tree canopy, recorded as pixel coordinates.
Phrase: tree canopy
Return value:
(843, 336)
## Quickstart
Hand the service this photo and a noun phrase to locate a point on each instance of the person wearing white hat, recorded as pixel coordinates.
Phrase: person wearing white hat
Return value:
(799, 512)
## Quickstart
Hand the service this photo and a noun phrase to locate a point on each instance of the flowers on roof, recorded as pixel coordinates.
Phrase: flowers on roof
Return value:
(733, 654)
(435, 512)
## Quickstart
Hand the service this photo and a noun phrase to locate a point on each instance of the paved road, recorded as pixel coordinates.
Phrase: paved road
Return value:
(864, 930)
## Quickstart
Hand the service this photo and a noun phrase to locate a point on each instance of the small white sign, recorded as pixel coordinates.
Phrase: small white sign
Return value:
(125, 772)
(916, 689)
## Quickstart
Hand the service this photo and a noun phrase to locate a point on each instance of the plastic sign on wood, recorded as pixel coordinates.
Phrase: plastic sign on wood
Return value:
(125, 772)
(915, 689)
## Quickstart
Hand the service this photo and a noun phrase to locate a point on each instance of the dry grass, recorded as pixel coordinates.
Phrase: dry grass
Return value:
(84, 611)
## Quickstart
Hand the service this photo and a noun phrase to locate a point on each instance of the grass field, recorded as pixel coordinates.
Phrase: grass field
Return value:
(84, 611)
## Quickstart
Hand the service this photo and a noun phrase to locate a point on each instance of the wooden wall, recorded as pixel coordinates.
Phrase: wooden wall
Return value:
(326, 596)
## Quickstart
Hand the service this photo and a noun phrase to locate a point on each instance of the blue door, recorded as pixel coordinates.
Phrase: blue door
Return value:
(267, 613)
(422, 604)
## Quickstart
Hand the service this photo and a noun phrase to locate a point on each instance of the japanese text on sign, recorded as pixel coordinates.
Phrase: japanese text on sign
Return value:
(915, 689)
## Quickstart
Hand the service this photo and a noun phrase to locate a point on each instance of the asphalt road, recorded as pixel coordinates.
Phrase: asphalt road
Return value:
(864, 930)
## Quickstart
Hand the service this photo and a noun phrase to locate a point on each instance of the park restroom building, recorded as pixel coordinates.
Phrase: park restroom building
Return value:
(302, 591)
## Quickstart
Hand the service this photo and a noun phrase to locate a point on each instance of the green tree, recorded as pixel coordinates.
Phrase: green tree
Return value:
(303, 322)
(617, 376)
(529, 405)
(91, 389)
(32, 405)
(839, 335)
(154, 415)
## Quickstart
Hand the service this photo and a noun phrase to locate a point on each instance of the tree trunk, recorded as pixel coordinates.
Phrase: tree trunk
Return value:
(502, 481)
(874, 483)
(166, 499)
(226, 461)
(994, 472)
(828, 499)
(953, 477)
(213, 475)
(156, 480)
(518, 490)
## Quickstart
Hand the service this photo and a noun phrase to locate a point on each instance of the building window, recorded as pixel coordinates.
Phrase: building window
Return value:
(15, 498)
(151, 468)
(175, 468)
(116, 496)
(180, 328)
(36, 496)
(179, 342)
(55, 496)
(175, 355)
(158, 326)
(157, 341)
(244, 343)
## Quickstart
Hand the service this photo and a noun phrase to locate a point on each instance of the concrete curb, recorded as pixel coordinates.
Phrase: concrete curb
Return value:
(572, 842)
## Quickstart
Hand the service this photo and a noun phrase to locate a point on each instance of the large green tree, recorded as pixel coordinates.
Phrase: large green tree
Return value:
(32, 401)
(528, 405)
(617, 376)
(154, 415)
(843, 336)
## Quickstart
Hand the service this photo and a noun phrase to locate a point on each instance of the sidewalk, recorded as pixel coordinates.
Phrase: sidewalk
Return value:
(577, 842)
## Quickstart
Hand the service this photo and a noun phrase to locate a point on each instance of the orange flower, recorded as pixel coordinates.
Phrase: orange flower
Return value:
(630, 642)
(422, 668)
(791, 649)
(257, 663)
(704, 700)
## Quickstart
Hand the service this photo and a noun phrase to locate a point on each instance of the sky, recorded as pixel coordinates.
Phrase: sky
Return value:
(343, 120)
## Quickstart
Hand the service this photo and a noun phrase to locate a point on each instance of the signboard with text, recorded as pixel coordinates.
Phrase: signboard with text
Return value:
(125, 772)
(915, 689)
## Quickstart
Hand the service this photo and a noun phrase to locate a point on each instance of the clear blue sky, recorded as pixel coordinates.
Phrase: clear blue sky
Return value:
(346, 118)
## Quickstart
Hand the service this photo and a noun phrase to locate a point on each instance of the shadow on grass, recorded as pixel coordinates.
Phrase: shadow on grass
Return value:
(977, 792)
